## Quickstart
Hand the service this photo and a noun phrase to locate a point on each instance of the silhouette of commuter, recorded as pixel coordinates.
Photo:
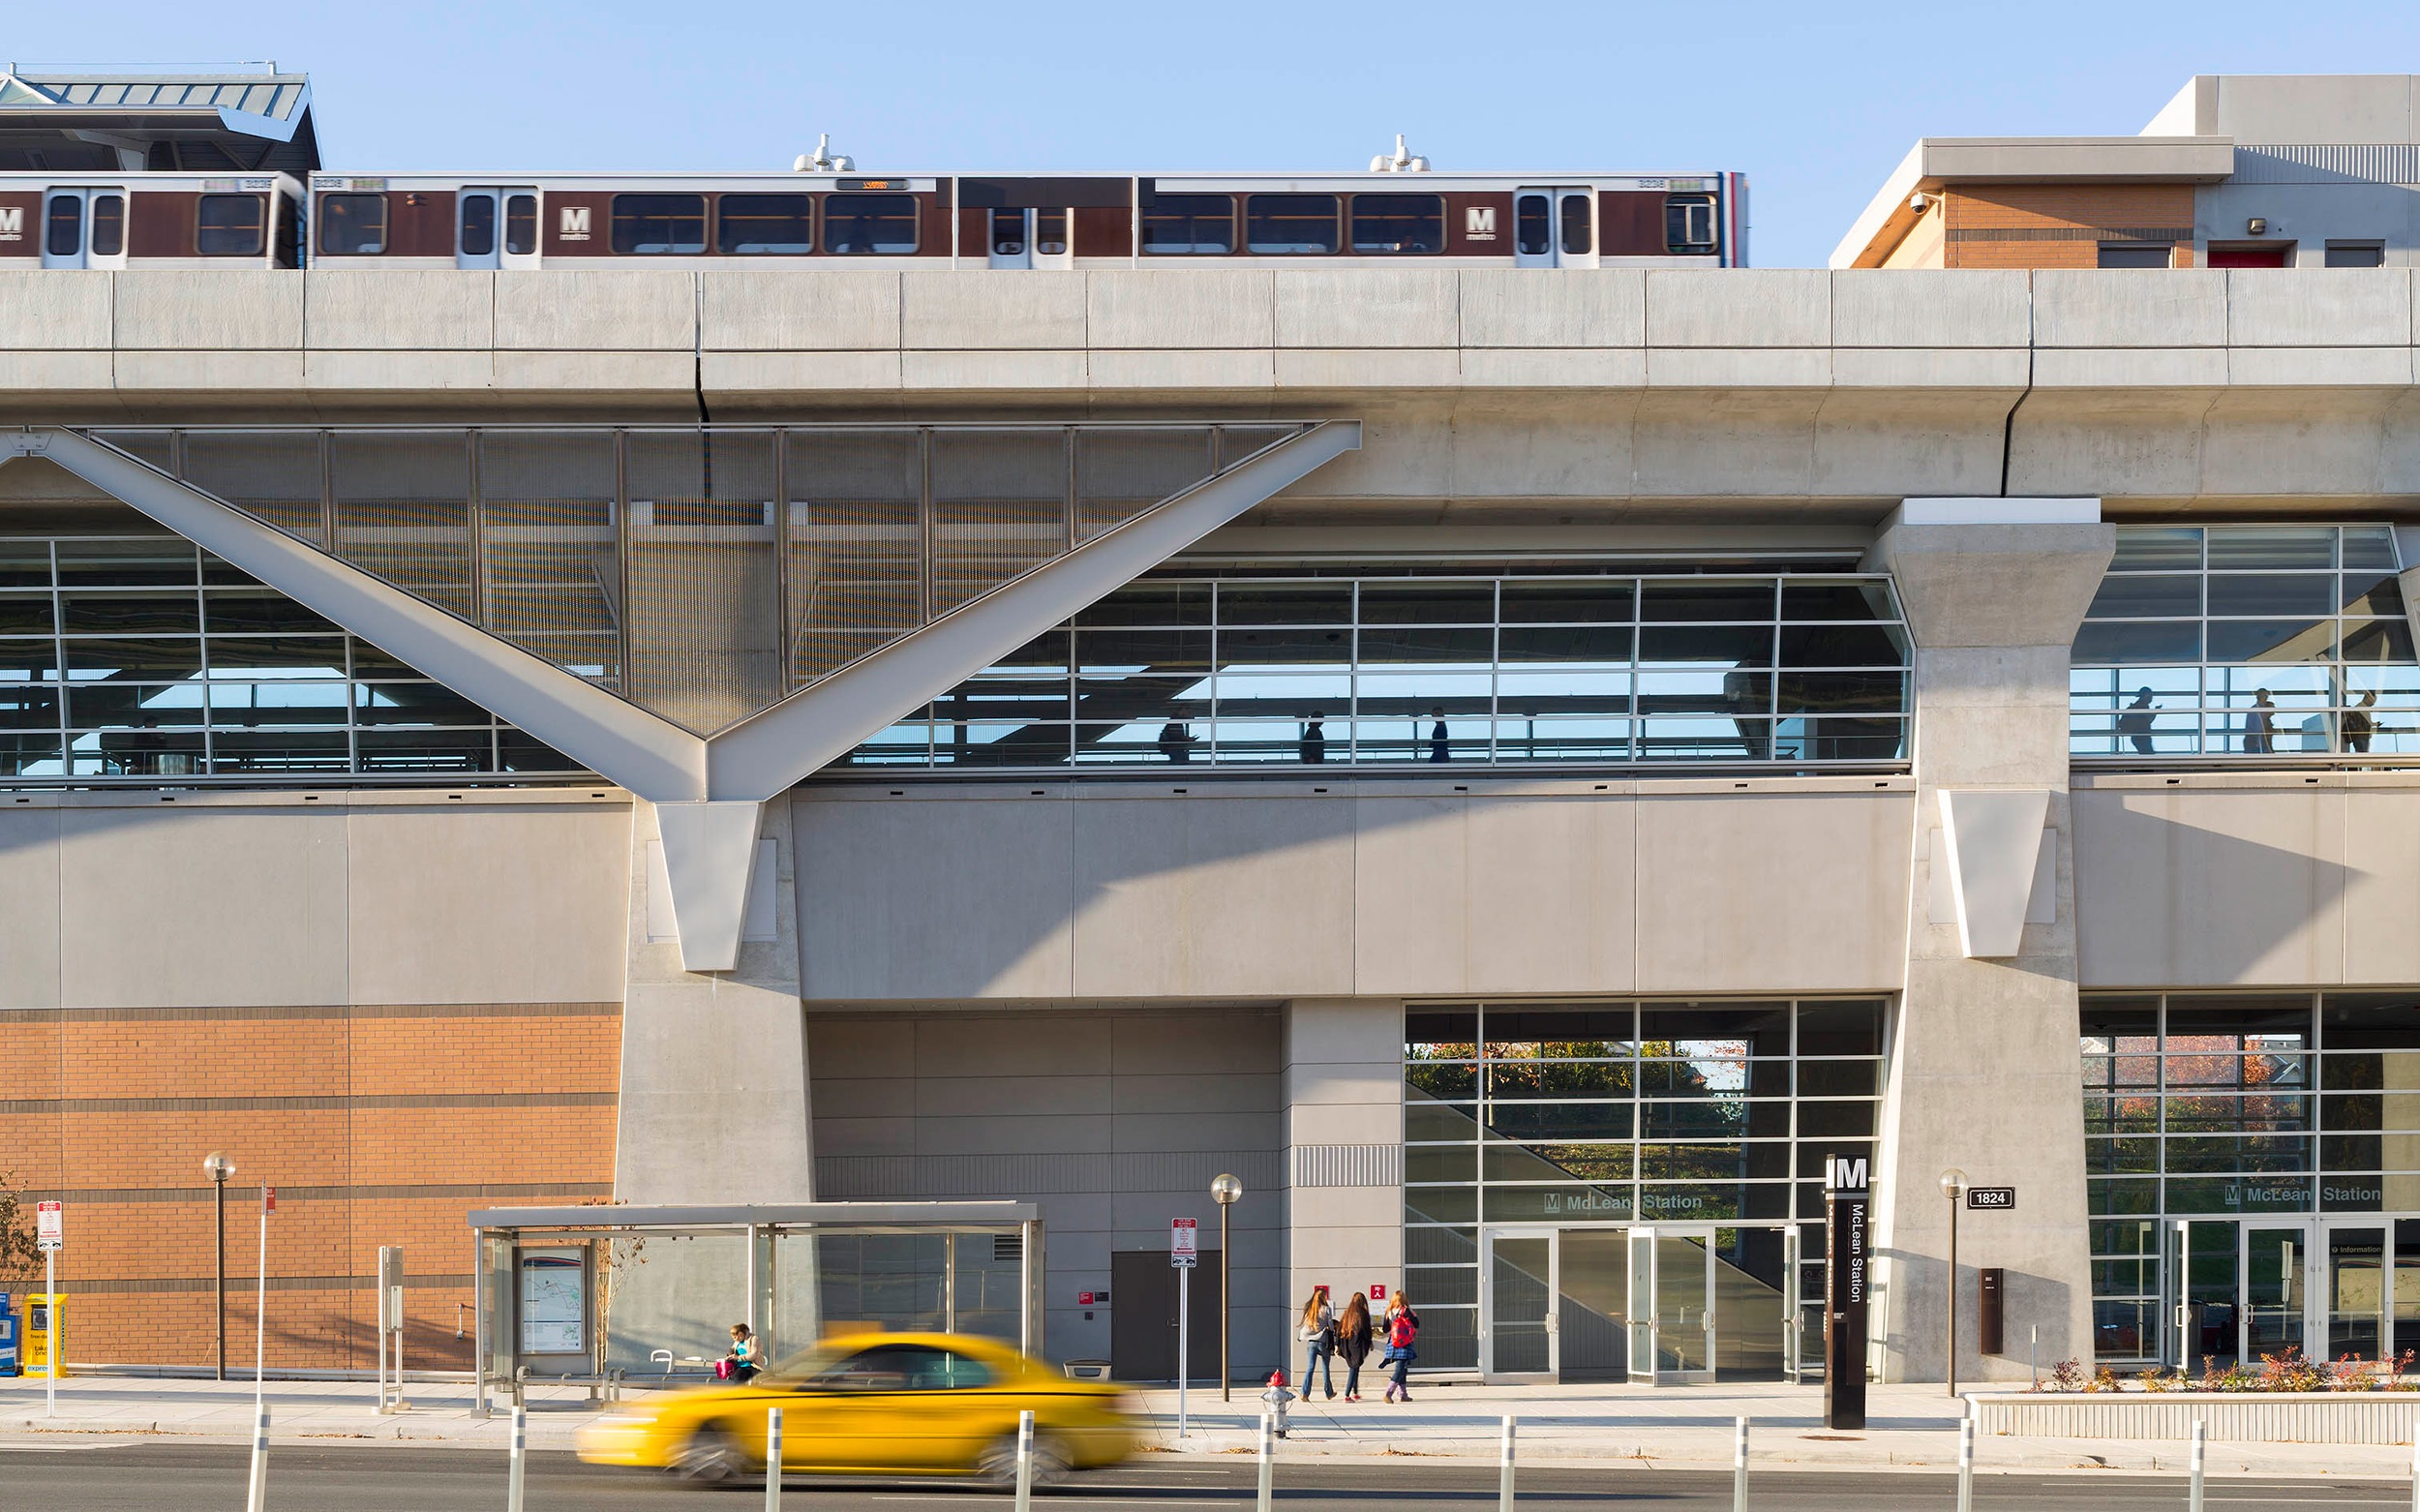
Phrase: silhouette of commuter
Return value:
(2360, 724)
(1315, 740)
(1176, 741)
(2136, 723)
(2260, 727)
(1440, 748)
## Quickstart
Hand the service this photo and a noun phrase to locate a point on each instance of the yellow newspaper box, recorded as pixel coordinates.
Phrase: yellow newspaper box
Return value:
(46, 1333)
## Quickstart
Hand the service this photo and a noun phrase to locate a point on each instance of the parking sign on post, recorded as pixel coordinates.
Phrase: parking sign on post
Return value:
(1183, 1253)
(50, 1225)
(1184, 1241)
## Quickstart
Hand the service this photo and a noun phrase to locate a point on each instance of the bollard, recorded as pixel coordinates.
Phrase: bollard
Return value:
(2202, 1450)
(1740, 1467)
(772, 1460)
(517, 1474)
(256, 1496)
(1504, 1471)
(1268, 1462)
(2416, 1472)
(1966, 1460)
(1024, 1460)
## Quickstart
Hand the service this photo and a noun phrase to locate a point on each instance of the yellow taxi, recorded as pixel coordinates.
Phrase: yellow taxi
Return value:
(879, 1405)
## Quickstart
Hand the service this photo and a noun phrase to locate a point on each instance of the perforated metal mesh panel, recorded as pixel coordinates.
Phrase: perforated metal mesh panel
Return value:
(271, 475)
(703, 574)
(1119, 473)
(999, 509)
(856, 545)
(403, 510)
(552, 559)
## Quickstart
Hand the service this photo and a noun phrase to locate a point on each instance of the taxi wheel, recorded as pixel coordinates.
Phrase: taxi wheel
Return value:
(997, 1468)
(711, 1455)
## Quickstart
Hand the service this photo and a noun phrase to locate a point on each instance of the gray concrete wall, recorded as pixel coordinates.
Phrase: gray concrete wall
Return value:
(1355, 887)
(129, 900)
(2249, 880)
(1345, 1145)
(1113, 1120)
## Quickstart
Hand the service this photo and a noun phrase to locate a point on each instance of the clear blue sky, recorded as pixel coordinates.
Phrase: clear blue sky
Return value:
(1814, 102)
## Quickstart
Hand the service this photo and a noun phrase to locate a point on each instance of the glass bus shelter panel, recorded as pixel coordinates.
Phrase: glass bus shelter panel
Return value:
(2356, 1291)
(678, 1293)
(1593, 1287)
(1519, 1281)
(2274, 1297)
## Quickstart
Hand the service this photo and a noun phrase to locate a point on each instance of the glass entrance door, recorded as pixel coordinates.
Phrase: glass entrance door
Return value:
(2275, 1289)
(2356, 1296)
(1672, 1305)
(1552, 1305)
(1518, 1308)
(1591, 1295)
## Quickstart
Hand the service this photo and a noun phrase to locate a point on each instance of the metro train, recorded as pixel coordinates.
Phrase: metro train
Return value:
(841, 219)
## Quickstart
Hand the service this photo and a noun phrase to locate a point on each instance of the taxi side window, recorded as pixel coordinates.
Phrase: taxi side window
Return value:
(902, 1367)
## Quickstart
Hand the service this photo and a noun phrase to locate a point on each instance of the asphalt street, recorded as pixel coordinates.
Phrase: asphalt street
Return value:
(106, 1474)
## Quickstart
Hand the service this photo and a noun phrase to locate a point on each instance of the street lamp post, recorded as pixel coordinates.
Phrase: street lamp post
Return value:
(217, 1167)
(1954, 1186)
(1226, 1189)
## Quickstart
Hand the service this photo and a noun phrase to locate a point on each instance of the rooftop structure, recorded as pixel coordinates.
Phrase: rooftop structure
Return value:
(126, 121)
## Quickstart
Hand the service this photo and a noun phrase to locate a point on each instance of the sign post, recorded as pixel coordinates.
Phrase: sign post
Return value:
(1847, 1262)
(1183, 1253)
(51, 1234)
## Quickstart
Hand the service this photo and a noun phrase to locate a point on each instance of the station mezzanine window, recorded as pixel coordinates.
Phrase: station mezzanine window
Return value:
(1612, 1113)
(141, 659)
(2260, 641)
(1558, 666)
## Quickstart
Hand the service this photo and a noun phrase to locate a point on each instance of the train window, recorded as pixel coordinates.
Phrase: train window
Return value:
(1190, 224)
(478, 225)
(1050, 232)
(761, 224)
(1398, 223)
(352, 225)
(651, 224)
(1532, 225)
(1289, 223)
(1578, 236)
(867, 224)
(233, 226)
(109, 224)
(1688, 223)
(1008, 233)
(65, 230)
(521, 225)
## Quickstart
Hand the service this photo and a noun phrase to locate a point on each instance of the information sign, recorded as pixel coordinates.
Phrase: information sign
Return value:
(50, 1225)
(1184, 1242)
(1846, 1258)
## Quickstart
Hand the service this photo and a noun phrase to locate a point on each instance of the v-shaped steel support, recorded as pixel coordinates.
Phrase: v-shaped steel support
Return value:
(706, 789)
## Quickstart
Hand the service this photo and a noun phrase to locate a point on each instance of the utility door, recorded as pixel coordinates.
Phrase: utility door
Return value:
(1555, 227)
(495, 227)
(1142, 1317)
(83, 228)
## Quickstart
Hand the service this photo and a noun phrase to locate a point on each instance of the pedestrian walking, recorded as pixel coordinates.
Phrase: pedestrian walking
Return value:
(1402, 1326)
(1354, 1341)
(1319, 1340)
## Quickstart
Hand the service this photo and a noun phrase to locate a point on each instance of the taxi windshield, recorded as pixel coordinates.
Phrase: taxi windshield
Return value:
(890, 1367)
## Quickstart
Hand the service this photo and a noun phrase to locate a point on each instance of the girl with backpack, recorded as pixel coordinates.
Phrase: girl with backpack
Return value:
(1402, 1326)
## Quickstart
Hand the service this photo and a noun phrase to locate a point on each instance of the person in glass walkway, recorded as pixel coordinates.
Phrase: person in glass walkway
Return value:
(2136, 723)
(1440, 748)
(1315, 739)
(2259, 725)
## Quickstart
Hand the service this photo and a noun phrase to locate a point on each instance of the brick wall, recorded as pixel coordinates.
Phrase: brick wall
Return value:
(376, 1125)
(2062, 226)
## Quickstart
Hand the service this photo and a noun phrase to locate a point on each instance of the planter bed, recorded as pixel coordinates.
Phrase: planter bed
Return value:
(2367, 1417)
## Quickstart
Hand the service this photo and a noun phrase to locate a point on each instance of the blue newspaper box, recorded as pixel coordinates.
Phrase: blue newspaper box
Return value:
(8, 1335)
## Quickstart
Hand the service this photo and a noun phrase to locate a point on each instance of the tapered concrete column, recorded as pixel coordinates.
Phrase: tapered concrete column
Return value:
(1983, 1072)
(1345, 1145)
(714, 1105)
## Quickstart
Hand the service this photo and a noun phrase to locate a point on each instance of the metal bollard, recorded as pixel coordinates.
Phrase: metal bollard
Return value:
(256, 1496)
(1024, 1460)
(1740, 1467)
(2201, 1455)
(2416, 1472)
(1268, 1462)
(772, 1460)
(1504, 1469)
(516, 1475)
(1966, 1460)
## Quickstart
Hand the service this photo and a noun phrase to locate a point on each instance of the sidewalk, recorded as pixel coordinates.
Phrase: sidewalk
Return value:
(1910, 1427)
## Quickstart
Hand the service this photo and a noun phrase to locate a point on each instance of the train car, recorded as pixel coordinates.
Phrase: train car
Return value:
(843, 219)
(150, 220)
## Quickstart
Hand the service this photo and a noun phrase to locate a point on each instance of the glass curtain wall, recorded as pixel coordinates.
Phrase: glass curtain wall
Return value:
(136, 659)
(1612, 1113)
(2238, 1107)
(2256, 641)
(1551, 666)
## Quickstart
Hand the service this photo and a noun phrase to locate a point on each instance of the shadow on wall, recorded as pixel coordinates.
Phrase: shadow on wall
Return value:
(1921, 1331)
(2163, 901)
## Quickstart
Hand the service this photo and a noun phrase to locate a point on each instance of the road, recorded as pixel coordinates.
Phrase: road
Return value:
(107, 1475)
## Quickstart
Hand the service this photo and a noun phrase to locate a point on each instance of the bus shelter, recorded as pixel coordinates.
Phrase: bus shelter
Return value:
(610, 1293)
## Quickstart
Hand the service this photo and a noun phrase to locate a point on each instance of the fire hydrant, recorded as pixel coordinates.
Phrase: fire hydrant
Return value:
(1277, 1396)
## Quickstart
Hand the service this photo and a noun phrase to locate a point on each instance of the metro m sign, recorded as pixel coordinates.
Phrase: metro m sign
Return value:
(574, 223)
(12, 223)
(1478, 222)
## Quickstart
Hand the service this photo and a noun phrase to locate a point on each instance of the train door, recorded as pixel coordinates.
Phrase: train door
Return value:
(83, 229)
(1029, 239)
(1555, 227)
(495, 227)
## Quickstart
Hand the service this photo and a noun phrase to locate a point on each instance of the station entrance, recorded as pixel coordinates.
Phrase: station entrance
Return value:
(1651, 1304)
(2323, 1288)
